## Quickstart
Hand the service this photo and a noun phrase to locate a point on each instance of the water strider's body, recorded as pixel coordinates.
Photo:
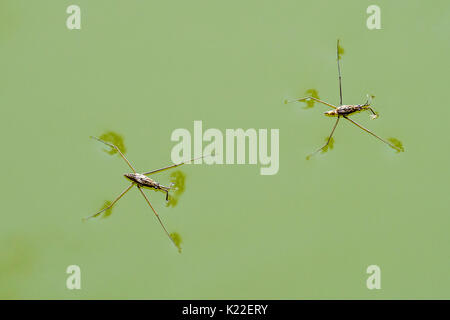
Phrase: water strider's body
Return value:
(147, 182)
(347, 110)
(344, 111)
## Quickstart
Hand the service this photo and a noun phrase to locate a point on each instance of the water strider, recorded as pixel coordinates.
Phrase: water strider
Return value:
(140, 180)
(343, 111)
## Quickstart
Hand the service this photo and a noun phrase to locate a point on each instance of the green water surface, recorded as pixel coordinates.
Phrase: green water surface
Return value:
(145, 68)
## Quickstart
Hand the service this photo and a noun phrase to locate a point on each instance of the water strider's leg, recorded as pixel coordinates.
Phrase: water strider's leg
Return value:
(339, 73)
(110, 206)
(172, 166)
(117, 149)
(367, 104)
(328, 141)
(167, 189)
(315, 99)
(157, 216)
(368, 131)
(374, 115)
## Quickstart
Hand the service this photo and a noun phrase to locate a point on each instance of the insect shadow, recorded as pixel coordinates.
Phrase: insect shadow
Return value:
(344, 111)
(176, 238)
(177, 179)
(116, 139)
(141, 181)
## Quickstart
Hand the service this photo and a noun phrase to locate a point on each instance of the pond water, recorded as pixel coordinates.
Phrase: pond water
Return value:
(143, 69)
